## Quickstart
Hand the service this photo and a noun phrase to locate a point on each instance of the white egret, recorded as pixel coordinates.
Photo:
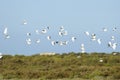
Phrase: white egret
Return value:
(101, 60)
(53, 43)
(28, 34)
(60, 43)
(73, 39)
(105, 29)
(38, 41)
(114, 45)
(60, 33)
(37, 31)
(1, 55)
(82, 48)
(63, 43)
(24, 22)
(99, 41)
(114, 53)
(44, 31)
(65, 33)
(112, 38)
(28, 41)
(49, 37)
(109, 44)
(114, 29)
(61, 28)
(87, 33)
(78, 56)
(6, 33)
(93, 37)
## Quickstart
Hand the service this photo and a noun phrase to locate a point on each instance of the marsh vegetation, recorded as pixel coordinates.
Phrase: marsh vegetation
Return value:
(71, 65)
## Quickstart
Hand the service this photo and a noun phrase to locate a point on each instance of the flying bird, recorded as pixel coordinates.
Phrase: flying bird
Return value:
(61, 28)
(28, 41)
(53, 43)
(87, 33)
(28, 34)
(1, 55)
(24, 22)
(105, 30)
(6, 33)
(114, 29)
(38, 41)
(63, 43)
(44, 31)
(82, 48)
(93, 37)
(114, 45)
(73, 39)
(99, 41)
(112, 38)
(48, 37)
(109, 44)
(37, 31)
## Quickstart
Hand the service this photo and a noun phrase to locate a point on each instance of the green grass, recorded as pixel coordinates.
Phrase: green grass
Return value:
(61, 67)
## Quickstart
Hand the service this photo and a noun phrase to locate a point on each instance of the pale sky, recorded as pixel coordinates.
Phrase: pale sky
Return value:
(77, 16)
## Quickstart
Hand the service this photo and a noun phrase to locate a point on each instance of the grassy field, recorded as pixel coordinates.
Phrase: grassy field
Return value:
(68, 66)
